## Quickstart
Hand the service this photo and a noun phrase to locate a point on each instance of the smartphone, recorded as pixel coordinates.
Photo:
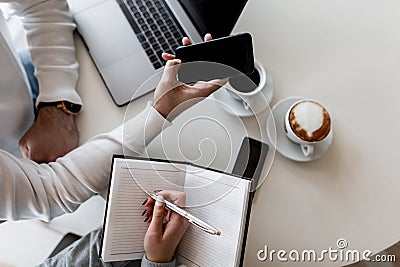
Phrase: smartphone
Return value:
(249, 163)
(250, 160)
(234, 55)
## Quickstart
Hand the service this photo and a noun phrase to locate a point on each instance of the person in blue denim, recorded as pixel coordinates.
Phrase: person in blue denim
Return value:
(49, 30)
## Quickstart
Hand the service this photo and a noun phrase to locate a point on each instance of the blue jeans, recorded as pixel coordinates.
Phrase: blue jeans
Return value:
(30, 73)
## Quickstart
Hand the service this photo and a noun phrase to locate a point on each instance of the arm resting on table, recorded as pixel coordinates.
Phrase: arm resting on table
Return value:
(29, 190)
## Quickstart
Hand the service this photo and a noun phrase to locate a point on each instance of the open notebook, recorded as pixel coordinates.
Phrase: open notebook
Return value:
(220, 199)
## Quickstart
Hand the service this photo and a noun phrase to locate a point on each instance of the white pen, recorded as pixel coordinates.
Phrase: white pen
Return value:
(193, 220)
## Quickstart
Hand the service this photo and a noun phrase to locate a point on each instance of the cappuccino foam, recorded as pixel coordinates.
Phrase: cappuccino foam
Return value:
(310, 121)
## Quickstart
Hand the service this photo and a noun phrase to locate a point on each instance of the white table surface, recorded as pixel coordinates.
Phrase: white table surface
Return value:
(346, 55)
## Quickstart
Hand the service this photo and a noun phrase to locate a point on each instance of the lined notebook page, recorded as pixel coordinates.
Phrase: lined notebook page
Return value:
(125, 229)
(221, 201)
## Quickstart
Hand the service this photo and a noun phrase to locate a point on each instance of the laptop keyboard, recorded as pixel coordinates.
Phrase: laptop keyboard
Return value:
(155, 27)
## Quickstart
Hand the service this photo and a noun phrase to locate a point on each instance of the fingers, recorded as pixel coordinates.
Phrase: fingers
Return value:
(177, 225)
(148, 212)
(176, 197)
(219, 82)
(186, 41)
(204, 89)
(175, 228)
(167, 56)
(156, 224)
(207, 37)
(171, 70)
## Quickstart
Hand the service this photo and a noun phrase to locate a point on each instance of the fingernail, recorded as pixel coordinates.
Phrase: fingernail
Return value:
(144, 202)
(144, 212)
(178, 61)
(158, 190)
(145, 220)
(160, 201)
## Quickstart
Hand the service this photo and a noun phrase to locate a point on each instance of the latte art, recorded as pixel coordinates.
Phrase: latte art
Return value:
(310, 121)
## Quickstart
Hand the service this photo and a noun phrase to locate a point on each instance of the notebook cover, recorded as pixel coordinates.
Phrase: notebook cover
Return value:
(251, 196)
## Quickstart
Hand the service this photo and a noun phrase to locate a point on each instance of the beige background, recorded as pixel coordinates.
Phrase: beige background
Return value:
(344, 53)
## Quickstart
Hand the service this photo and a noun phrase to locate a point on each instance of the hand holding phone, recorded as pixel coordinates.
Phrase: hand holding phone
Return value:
(219, 58)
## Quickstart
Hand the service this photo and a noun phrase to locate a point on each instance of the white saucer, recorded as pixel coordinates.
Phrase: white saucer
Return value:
(283, 145)
(236, 107)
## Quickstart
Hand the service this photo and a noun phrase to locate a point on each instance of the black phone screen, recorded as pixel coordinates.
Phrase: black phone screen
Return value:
(233, 55)
(217, 17)
(250, 160)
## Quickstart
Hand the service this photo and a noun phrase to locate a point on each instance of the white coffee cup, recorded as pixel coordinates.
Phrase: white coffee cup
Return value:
(307, 123)
(248, 90)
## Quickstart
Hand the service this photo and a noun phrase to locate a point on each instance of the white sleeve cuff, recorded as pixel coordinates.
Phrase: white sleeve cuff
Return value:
(57, 86)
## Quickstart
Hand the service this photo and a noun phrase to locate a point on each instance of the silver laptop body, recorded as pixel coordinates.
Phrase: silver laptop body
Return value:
(126, 51)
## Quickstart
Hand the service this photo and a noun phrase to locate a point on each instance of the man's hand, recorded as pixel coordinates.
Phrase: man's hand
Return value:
(161, 238)
(52, 135)
(173, 97)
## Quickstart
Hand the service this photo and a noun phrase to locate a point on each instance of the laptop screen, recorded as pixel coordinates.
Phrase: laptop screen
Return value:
(217, 17)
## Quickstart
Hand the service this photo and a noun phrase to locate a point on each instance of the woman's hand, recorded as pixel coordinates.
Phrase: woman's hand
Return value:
(172, 97)
(163, 235)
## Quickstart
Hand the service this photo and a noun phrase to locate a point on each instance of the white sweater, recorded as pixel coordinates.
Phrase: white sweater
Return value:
(30, 190)
(48, 25)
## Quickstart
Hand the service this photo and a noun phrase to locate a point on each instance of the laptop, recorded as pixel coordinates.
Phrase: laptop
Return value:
(125, 38)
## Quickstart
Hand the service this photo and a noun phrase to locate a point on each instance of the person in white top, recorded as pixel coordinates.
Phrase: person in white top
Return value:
(32, 190)
(29, 190)
(49, 30)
